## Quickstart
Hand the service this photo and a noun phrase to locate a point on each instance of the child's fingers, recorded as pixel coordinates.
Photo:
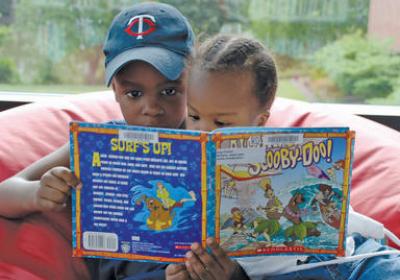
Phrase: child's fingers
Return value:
(211, 264)
(49, 180)
(223, 259)
(52, 194)
(174, 269)
(191, 271)
(196, 268)
(66, 175)
(48, 205)
(176, 272)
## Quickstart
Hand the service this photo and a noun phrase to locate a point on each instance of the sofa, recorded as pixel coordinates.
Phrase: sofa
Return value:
(39, 245)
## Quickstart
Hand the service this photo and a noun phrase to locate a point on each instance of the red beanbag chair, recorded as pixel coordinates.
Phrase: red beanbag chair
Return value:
(39, 245)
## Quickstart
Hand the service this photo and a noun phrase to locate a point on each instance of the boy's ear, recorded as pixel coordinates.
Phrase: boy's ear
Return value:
(116, 95)
(262, 118)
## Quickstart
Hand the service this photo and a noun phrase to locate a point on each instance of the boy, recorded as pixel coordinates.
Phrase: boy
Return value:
(145, 49)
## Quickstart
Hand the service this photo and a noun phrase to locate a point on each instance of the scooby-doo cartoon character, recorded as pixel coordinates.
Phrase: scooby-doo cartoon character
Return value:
(160, 218)
(161, 207)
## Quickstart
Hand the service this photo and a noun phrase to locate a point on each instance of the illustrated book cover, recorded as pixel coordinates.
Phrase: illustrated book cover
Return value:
(148, 193)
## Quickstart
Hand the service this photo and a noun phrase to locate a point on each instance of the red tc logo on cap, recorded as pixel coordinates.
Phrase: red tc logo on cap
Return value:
(139, 20)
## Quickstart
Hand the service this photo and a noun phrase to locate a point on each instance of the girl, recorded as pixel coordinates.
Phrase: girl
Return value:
(233, 82)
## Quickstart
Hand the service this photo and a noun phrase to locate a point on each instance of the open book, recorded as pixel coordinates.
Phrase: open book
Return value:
(149, 193)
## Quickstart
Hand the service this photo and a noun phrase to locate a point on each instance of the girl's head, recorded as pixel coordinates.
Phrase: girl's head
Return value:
(232, 82)
(145, 50)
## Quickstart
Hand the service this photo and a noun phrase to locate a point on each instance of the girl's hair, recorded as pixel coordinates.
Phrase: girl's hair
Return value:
(224, 53)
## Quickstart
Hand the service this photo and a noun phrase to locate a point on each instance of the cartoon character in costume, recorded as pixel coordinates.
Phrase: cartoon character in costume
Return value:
(317, 172)
(273, 208)
(265, 228)
(269, 226)
(300, 229)
(325, 195)
(238, 220)
(339, 165)
(169, 203)
(230, 190)
(325, 199)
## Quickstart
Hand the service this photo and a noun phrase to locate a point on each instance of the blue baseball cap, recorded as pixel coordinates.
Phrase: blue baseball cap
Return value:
(155, 33)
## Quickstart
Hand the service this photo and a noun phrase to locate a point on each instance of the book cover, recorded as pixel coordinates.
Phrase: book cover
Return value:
(149, 193)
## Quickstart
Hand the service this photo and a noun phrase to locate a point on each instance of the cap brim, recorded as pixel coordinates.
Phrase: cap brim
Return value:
(168, 63)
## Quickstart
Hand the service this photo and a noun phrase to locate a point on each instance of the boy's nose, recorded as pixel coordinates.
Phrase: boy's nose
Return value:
(152, 108)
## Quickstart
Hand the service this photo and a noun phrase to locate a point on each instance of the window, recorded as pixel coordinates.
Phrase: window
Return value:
(327, 51)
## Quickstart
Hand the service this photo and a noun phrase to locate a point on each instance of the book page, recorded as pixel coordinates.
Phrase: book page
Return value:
(283, 191)
(142, 192)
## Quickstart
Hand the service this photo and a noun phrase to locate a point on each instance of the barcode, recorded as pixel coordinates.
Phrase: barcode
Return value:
(138, 136)
(105, 241)
(283, 139)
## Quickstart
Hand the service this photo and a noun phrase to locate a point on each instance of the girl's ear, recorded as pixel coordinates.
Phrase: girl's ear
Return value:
(262, 118)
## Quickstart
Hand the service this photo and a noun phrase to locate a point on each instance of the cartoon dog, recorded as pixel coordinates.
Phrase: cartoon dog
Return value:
(160, 218)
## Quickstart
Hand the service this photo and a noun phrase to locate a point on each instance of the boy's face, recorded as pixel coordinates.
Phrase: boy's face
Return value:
(223, 99)
(147, 98)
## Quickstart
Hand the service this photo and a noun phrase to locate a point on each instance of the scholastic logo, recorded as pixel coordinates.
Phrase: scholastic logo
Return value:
(182, 247)
(139, 26)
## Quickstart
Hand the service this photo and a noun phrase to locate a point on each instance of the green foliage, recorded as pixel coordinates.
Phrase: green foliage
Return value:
(4, 34)
(392, 99)
(6, 9)
(299, 28)
(78, 26)
(208, 16)
(48, 32)
(360, 67)
(58, 32)
(7, 71)
(46, 73)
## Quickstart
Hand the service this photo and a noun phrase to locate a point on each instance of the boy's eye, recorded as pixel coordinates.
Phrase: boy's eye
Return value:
(134, 93)
(169, 91)
(221, 124)
(194, 117)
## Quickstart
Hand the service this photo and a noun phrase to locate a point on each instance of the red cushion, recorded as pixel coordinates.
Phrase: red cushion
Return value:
(375, 186)
(39, 246)
(35, 130)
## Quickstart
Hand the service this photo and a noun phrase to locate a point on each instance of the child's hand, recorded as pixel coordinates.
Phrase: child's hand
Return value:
(217, 265)
(176, 272)
(55, 188)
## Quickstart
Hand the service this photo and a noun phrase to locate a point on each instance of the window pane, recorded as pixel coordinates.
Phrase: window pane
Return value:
(327, 51)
